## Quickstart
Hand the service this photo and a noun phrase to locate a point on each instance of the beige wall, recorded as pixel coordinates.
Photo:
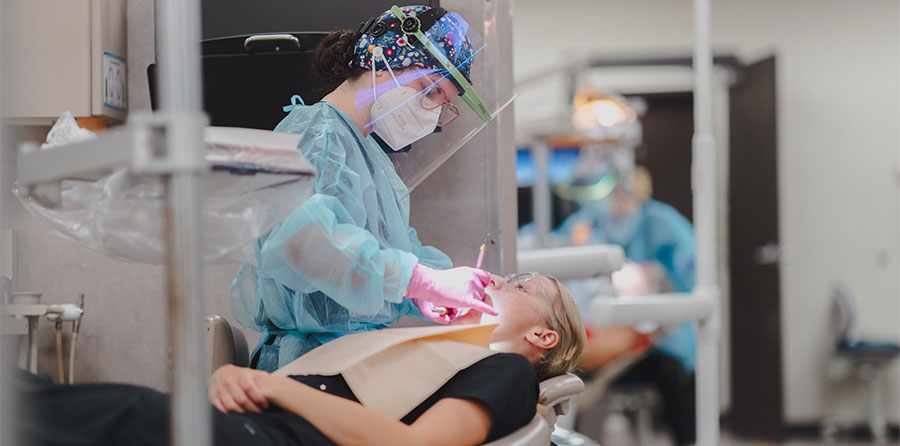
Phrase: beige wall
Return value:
(123, 335)
(838, 68)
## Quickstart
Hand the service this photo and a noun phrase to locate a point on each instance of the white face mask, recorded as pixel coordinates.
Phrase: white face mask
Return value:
(399, 119)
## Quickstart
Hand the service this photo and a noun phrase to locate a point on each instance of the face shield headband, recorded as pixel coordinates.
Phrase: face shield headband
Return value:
(598, 190)
(416, 26)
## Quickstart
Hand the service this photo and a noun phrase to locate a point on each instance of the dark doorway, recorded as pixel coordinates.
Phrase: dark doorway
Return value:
(666, 151)
(756, 386)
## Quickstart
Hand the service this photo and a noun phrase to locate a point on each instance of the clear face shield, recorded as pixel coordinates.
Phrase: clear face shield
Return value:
(425, 115)
(599, 172)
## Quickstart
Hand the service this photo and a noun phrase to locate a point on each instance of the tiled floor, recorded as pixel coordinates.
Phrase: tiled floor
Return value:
(661, 438)
(730, 441)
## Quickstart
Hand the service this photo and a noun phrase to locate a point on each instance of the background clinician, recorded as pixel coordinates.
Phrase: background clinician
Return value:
(660, 243)
(347, 259)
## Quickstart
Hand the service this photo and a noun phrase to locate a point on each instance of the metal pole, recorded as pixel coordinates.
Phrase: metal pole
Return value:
(541, 199)
(704, 186)
(178, 33)
(7, 405)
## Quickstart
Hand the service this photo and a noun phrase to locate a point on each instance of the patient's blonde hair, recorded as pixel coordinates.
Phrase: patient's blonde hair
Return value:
(563, 357)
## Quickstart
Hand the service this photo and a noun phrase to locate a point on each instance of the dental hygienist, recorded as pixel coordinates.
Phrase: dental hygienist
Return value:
(347, 259)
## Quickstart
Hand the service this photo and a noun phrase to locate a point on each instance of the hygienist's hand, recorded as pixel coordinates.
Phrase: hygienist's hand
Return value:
(427, 309)
(236, 389)
(461, 287)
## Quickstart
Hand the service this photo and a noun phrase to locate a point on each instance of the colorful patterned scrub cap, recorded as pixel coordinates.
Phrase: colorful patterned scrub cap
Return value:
(448, 31)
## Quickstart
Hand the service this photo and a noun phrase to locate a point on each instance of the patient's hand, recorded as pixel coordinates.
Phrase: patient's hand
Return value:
(235, 389)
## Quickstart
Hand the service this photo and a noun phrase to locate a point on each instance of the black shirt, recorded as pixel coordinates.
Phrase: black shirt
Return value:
(122, 415)
(505, 383)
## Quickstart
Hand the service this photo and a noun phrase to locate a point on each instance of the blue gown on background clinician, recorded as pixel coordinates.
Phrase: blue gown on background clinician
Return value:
(654, 232)
(341, 261)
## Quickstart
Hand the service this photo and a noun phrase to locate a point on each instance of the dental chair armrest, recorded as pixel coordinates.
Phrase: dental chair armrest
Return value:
(535, 433)
(556, 392)
(224, 344)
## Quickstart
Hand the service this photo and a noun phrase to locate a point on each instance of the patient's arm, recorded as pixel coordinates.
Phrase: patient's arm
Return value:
(450, 421)
(609, 343)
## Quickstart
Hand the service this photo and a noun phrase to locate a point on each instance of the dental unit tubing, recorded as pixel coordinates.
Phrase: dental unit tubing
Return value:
(573, 262)
(664, 308)
(66, 313)
(76, 327)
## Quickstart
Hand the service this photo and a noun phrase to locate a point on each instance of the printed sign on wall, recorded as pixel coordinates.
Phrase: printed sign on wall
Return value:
(114, 92)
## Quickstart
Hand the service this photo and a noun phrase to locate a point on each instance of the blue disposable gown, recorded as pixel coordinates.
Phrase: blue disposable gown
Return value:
(339, 263)
(656, 232)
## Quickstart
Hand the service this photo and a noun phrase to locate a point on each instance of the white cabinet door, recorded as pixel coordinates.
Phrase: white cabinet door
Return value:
(53, 58)
(47, 53)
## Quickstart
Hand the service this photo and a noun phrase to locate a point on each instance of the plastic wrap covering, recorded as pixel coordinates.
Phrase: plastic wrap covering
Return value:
(255, 180)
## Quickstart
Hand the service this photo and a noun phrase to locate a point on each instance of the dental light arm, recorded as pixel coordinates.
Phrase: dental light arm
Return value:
(573, 262)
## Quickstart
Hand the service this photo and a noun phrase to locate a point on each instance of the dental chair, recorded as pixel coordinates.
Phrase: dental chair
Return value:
(628, 402)
(227, 345)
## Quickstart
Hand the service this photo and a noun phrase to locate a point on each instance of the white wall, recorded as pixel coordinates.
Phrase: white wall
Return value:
(838, 66)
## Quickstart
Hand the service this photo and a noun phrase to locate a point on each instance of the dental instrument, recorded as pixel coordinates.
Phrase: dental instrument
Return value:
(441, 310)
(481, 252)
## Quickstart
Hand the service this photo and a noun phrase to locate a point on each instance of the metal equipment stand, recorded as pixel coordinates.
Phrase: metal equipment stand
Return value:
(7, 400)
(178, 28)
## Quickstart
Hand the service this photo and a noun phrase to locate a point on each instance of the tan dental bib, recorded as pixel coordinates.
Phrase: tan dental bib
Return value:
(394, 370)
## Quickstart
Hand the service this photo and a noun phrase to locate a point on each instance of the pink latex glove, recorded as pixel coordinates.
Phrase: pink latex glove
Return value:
(456, 288)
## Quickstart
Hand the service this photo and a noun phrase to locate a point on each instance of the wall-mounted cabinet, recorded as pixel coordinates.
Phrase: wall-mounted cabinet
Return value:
(64, 55)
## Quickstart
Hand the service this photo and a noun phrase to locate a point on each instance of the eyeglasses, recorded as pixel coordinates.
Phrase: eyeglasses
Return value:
(433, 97)
(519, 280)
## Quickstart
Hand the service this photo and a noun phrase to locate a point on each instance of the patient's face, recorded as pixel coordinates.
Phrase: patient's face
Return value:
(521, 304)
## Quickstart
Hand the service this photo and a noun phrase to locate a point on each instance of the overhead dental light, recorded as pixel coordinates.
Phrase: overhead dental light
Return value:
(604, 116)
